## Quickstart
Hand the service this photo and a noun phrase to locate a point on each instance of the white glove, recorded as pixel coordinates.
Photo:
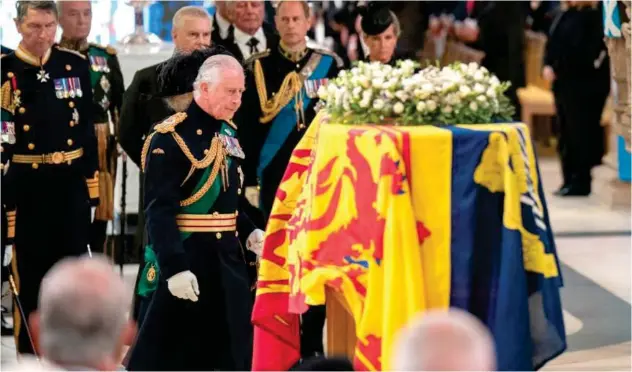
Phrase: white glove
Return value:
(252, 195)
(184, 285)
(8, 255)
(93, 211)
(255, 242)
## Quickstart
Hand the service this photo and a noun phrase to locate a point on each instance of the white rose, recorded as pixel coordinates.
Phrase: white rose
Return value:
(491, 93)
(388, 94)
(366, 95)
(479, 88)
(481, 98)
(473, 106)
(421, 106)
(472, 66)
(401, 95)
(378, 104)
(479, 76)
(365, 103)
(432, 105)
(322, 92)
(357, 91)
(364, 82)
(355, 71)
(377, 82)
(398, 108)
(494, 82)
(464, 90)
(447, 109)
(428, 87)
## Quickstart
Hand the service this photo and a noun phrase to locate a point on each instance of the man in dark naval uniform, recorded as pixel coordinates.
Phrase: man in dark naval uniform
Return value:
(75, 19)
(52, 180)
(7, 141)
(199, 316)
(271, 127)
(143, 107)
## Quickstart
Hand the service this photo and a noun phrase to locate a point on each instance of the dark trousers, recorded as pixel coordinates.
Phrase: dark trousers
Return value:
(581, 138)
(214, 333)
(98, 233)
(53, 220)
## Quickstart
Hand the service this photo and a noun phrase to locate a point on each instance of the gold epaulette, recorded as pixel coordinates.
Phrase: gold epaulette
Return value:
(70, 51)
(169, 124)
(339, 62)
(256, 56)
(107, 48)
(166, 126)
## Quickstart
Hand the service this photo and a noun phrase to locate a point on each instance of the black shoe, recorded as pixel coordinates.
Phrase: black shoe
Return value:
(573, 190)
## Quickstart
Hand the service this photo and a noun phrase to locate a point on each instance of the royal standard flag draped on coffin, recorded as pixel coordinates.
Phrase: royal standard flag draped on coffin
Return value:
(404, 219)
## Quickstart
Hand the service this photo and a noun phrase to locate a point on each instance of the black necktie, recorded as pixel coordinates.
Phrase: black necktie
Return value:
(230, 35)
(252, 43)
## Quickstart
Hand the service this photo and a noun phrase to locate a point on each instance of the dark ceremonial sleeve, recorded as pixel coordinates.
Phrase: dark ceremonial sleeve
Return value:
(251, 136)
(118, 88)
(131, 128)
(245, 226)
(165, 169)
(90, 144)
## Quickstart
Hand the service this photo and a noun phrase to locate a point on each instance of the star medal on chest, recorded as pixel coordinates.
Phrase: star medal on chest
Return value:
(43, 76)
(75, 116)
(231, 144)
(105, 83)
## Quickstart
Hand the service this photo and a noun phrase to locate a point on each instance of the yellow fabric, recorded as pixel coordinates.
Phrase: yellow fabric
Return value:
(349, 170)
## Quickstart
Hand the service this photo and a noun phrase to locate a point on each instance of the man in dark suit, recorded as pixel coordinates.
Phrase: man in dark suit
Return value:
(252, 34)
(143, 107)
(499, 32)
(223, 27)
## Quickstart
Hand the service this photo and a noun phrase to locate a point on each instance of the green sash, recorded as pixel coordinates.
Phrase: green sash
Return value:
(149, 278)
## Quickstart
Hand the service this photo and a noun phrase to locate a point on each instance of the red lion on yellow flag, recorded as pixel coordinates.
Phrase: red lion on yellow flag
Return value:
(342, 217)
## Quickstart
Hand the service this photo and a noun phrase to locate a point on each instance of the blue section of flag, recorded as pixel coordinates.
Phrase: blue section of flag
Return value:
(522, 309)
(625, 163)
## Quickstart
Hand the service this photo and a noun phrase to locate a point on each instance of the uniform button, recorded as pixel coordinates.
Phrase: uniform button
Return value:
(26, 127)
(68, 67)
(239, 191)
(71, 104)
(17, 91)
(34, 165)
(199, 132)
(298, 66)
(10, 74)
(22, 110)
(218, 235)
(236, 213)
(206, 152)
(72, 123)
(236, 233)
(69, 142)
(31, 146)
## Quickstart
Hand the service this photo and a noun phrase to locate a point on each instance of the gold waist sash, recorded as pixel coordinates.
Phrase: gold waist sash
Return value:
(207, 222)
(58, 157)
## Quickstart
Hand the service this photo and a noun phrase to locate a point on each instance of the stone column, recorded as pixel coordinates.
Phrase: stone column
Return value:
(616, 192)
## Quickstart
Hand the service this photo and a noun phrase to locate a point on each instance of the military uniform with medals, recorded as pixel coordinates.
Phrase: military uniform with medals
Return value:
(52, 179)
(273, 121)
(193, 184)
(107, 85)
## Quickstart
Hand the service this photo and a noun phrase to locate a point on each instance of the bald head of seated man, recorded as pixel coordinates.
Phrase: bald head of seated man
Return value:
(446, 340)
(82, 321)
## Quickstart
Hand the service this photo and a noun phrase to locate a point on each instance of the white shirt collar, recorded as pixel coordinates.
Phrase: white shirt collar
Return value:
(223, 25)
(241, 38)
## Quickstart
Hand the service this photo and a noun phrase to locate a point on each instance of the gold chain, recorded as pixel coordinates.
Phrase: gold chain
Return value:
(290, 87)
(219, 163)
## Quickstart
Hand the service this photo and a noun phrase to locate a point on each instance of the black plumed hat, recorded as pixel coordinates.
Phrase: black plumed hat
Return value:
(376, 17)
(177, 74)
